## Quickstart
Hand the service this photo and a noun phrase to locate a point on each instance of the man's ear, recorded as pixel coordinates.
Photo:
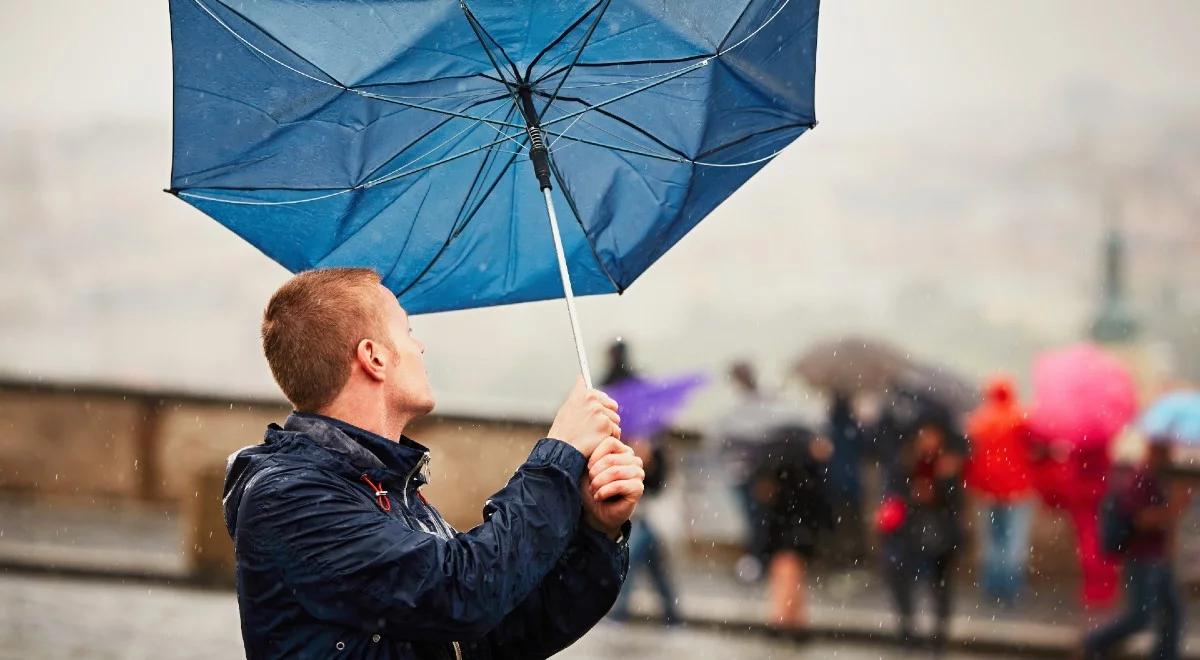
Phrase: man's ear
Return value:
(370, 358)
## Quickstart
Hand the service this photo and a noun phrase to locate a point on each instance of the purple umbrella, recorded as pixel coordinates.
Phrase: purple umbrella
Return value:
(649, 406)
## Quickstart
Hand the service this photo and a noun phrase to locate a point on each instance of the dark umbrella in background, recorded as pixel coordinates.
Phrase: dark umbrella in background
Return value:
(852, 364)
(430, 140)
(939, 385)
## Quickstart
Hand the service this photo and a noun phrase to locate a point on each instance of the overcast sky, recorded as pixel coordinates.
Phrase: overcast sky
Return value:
(962, 159)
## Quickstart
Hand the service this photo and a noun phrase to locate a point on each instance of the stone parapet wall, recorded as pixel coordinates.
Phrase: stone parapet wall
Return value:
(108, 443)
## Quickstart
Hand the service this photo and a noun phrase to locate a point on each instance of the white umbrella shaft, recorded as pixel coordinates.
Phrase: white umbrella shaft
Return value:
(568, 292)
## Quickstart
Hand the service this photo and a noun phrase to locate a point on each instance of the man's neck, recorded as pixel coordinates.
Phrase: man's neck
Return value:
(377, 420)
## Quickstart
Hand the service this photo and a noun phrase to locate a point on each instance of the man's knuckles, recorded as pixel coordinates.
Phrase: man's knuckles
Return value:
(610, 459)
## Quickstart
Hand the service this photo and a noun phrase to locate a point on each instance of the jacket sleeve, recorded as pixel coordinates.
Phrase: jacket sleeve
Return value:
(359, 567)
(568, 602)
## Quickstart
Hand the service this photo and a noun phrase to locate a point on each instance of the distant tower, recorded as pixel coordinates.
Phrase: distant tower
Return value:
(1114, 324)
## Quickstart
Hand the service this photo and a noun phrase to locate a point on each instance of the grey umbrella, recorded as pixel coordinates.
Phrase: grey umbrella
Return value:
(852, 364)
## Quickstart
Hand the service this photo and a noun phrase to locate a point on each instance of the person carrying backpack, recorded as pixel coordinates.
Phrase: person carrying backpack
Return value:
(1138, 520)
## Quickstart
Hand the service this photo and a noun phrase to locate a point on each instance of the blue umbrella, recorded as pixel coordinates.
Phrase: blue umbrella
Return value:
(394, 135)
(1174, 417)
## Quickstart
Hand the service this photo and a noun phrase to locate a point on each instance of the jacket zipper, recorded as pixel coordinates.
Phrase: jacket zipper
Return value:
(421, 464)
(404, 493)
(412, 473)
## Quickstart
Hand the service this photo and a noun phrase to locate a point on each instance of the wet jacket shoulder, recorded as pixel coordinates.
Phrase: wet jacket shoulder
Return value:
(338, 552)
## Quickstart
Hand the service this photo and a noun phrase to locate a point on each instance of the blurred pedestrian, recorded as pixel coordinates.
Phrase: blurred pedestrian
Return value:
(1073, 477)
(848, 543)
(1139, 525)
(742, 433)
(998, 473)
(790, 487)
(920, 522)
(646, 552)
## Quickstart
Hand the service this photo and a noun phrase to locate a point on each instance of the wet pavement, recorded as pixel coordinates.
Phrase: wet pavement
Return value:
(44, 617)
(142, 545)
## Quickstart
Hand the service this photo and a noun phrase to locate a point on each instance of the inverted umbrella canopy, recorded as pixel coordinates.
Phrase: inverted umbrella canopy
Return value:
(852, 364)
(1174, 417)
(1081, 395)
(396, 135)
(648, 406)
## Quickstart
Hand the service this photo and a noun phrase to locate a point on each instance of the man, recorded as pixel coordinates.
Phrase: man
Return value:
(339, 554)
(1152, 512)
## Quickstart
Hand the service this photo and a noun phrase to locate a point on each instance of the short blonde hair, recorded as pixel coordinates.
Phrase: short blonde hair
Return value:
(312, 327)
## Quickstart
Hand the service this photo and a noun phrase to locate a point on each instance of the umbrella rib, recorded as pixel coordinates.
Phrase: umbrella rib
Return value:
(756, 30)
(734, 24)
(596, 143)
(450, 238)
(631, 92)
(395, 174)
(475, 180)
(570, 197)
(369, 184)
(647, 154)
(617, 118)
(461, 227)
(336, 83)
(578, 53)
(211, 14)
(304, 59)
(439, 125)
(429, 80)
(669, 60)
(678, 72)
(557, 40)
(480, 33)
(782, 127)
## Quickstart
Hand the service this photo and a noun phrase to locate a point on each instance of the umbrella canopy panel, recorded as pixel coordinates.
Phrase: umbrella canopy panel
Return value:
(386, 134)
(1174, 417)
(1081, 395)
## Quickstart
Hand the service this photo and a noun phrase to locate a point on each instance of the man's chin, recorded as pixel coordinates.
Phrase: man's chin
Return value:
(426, 407)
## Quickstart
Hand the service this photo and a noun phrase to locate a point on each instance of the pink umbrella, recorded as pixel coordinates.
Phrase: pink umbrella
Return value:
(1081, 396)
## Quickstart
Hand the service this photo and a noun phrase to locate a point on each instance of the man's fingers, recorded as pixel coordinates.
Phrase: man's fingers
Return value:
(617, 473)
(607, 447)
(625, 489)
(611, 459)
(612, 414)
(606, 400)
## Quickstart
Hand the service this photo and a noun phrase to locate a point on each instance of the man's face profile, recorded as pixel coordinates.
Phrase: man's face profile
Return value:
(408, 384)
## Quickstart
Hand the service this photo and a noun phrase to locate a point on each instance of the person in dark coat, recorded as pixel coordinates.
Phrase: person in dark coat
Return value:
(646, 551)
(921, 522)
(845, 481)
(790, 486)
(339, 553)
(1151, 506)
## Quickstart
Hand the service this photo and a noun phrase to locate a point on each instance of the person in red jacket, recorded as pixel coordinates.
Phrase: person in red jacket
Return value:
(999, 473)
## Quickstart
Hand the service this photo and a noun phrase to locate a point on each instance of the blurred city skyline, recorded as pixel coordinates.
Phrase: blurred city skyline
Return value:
(953, 200)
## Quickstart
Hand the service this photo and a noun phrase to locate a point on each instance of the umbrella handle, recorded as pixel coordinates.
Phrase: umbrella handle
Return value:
(568, 292)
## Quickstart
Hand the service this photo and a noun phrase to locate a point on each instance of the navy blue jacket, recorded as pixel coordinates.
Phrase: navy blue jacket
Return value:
(329, 566)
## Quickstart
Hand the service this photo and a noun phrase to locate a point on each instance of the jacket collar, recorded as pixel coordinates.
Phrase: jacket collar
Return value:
(366, 451)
